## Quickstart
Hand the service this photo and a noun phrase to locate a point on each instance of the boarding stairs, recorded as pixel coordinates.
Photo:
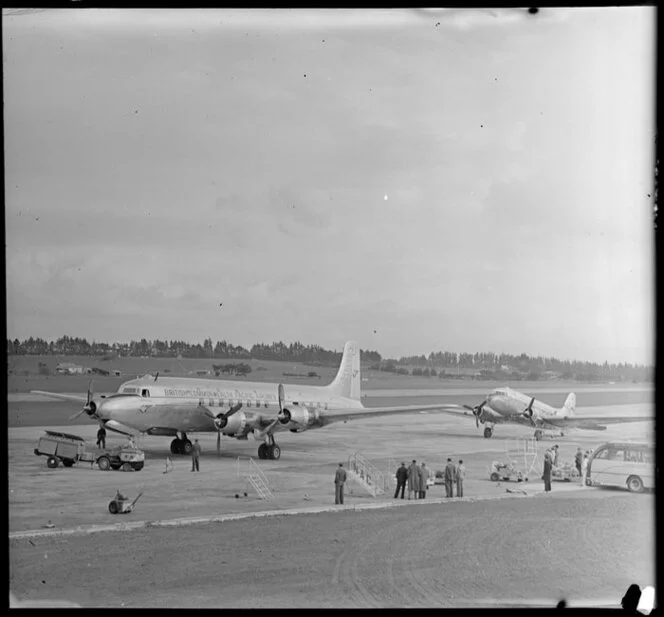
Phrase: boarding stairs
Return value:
(524, 454)
(257, 480)
(365, 475)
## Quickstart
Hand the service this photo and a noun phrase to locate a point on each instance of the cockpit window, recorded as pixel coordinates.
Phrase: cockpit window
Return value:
(145, 392)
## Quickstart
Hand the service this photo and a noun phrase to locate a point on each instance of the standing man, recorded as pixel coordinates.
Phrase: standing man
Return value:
(413, 479)
(555, 456)
(339, 480)
(195, 454)
(460, 475)
(546, 475)
(402, 478)
(584, 469)
(424, 476)
(101, 437)
(450, 477)
(578, 460)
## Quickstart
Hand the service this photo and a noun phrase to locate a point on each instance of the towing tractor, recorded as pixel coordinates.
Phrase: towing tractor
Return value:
(68, 449)
(125, 458)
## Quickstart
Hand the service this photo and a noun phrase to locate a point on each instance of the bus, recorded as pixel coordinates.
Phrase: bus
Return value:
(622, 463)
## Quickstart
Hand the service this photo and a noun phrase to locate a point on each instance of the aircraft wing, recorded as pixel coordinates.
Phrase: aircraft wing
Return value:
(344, 415)
(63, 397)
(596, 423)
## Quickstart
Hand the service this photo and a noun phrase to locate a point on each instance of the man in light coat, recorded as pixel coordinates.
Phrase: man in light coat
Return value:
(424, 476)
(460, 475)
(450, 478)
(413, 479)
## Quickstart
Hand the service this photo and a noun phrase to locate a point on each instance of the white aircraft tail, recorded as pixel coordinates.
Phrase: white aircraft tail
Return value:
(569, 406)
(347, 382)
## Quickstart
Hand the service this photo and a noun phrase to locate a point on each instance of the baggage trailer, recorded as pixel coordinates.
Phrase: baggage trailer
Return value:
(62, 448)
(68, 449)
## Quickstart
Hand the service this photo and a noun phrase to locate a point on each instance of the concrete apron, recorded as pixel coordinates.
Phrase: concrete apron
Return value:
(511, 492)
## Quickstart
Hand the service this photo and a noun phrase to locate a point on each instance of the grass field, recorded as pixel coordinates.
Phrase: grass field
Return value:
(25, 376)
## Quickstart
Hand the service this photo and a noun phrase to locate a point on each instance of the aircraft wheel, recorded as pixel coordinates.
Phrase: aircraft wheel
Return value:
(113, 507)
(175, 446)
(187, 447)
(52, 462)
(487, 433)
(274, 452)
(495, 477)
(262, 451)
(538, 435)
(635, 484)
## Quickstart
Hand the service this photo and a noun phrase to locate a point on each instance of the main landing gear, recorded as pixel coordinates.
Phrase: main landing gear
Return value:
(181, 445)
(488, 431)
(269, 450)
(538, 435)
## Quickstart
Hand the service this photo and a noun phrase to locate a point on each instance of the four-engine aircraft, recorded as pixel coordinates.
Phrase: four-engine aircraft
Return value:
(172, 406)
(507, 406)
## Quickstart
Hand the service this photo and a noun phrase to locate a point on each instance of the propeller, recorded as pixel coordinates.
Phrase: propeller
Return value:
(477, 412)
(284, 416)
(90, 406)
(221, 421)
(528, 411)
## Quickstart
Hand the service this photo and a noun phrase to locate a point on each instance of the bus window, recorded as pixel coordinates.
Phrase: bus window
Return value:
(602, 455)
(145, 392)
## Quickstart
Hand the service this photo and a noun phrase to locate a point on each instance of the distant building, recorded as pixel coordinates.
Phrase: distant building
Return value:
(69, 368)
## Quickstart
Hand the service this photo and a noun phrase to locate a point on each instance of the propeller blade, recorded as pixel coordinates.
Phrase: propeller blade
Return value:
(233, 410)
(281, 397)
(218, 443)
(77, 414)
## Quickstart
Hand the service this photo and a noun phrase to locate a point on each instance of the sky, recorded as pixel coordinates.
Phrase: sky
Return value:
(415, 180)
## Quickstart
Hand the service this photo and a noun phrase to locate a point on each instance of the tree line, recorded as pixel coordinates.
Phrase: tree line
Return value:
(482, 365)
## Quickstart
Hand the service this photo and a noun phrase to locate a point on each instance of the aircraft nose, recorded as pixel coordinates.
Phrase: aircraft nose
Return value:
(114, 406)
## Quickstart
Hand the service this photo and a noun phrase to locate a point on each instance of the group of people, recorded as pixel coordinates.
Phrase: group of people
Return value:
(551, 461)
(415, 477)
(581, 464)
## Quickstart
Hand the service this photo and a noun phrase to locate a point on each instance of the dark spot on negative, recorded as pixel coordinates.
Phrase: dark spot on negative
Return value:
(533, 10)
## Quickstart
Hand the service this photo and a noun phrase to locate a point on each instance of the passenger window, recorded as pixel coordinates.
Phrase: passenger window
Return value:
(145, 392)
(603, 455)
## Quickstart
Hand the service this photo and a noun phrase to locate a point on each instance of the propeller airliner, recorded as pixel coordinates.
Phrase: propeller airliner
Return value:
(507, 406)
(174, 407)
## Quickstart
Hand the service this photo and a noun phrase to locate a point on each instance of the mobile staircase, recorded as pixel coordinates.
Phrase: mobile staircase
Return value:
(366, 475)
(257, 480)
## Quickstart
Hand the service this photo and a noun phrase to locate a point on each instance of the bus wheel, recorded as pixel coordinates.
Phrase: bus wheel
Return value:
(634, 484)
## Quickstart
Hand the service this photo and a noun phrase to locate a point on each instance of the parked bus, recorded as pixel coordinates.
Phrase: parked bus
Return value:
(623, 463)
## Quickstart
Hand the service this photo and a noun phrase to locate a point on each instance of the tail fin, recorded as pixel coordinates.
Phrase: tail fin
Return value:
(347, 382)
(569, 406)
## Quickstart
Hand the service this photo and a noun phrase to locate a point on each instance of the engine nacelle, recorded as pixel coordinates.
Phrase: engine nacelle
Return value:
(299, 417)
(235, 425)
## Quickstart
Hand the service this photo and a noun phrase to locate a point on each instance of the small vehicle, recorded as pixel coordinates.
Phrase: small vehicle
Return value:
(622, 464)
(62, 448)
(565, 473)
(121, 505)
(505, 471)
(125, 458)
